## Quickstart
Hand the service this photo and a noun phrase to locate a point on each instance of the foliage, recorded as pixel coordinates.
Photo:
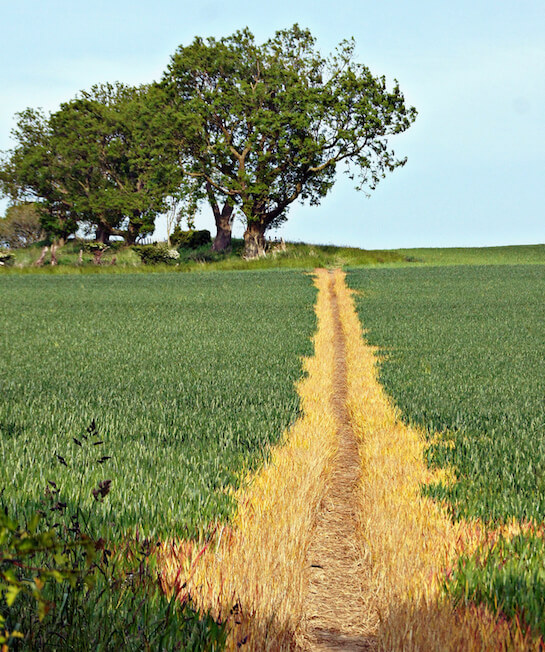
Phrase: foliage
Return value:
(89, 594)
(156, 254)
(190, 239)
(241, 125)
(6, 258)
(21, 226)
(265, 125)
(194, 368)
(92, 247)
(98, 160)
(21, 577)
(121, 606)
(30, 172)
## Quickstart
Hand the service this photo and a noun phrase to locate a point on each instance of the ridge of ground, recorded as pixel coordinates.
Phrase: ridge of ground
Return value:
(290, 255)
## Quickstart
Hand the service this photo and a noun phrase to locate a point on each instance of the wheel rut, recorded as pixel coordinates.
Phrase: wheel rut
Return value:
(335, 606)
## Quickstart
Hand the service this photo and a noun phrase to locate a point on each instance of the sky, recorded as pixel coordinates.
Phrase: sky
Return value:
(475, 71)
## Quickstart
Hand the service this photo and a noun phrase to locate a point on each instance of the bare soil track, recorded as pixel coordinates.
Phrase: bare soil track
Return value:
(335, 606)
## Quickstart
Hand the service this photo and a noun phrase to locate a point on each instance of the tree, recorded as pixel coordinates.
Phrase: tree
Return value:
(21, 226)
(144, 167)
(262, 126)
(99, 160)
(29, 173)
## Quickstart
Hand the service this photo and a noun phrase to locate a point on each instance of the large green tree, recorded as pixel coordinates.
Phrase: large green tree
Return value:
(29, 173)
(262, 126)
(98, 161)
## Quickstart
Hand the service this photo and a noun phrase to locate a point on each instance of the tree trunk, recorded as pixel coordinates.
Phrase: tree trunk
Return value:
(224, 223)
(54, 254)
(41, 259)
(222, 241)
(131, 234)
(254, 240)
(102, 234)
(223, 219)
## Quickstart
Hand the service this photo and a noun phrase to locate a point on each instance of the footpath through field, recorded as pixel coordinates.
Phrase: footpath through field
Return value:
(334, 604)
(333, 546)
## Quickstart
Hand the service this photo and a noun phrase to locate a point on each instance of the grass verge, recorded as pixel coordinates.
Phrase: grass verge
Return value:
(294, 255)
(122, 260)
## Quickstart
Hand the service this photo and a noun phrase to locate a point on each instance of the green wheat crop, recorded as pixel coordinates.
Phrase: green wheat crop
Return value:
(464, 355)
(188, 377)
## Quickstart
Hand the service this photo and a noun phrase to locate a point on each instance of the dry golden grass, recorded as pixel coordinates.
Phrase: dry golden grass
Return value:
(254, 573)
(258, 563)
(409, 540)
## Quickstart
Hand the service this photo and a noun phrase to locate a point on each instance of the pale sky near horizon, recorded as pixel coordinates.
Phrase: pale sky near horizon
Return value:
(475, 70)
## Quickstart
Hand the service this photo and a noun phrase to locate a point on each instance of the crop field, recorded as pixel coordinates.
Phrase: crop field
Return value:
(170, 387)
(186, 378)
(464, 356)
(506, 255)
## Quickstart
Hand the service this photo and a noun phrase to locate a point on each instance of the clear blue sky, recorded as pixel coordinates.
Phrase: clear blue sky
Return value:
(475, 70)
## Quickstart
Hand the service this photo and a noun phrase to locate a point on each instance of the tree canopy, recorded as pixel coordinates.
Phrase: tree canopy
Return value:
(97, 161)
(264, 125)
(21, 226)
(249, 128)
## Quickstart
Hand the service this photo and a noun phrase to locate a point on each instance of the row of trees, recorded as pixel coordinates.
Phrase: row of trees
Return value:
(246, 128)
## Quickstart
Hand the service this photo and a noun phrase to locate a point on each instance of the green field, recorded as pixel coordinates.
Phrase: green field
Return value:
(188, 379)
(464, 355)
(507, 255)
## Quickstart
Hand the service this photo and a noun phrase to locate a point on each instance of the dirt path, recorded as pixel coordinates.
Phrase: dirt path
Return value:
(292, 569)
(335, 606)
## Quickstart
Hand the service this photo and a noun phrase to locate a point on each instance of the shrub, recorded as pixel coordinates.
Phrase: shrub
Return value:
(155, 254)
(93, 247)
(6, 258)
(190, 239)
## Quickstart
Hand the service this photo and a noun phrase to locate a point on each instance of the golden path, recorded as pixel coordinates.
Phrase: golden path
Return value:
(333, 545)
